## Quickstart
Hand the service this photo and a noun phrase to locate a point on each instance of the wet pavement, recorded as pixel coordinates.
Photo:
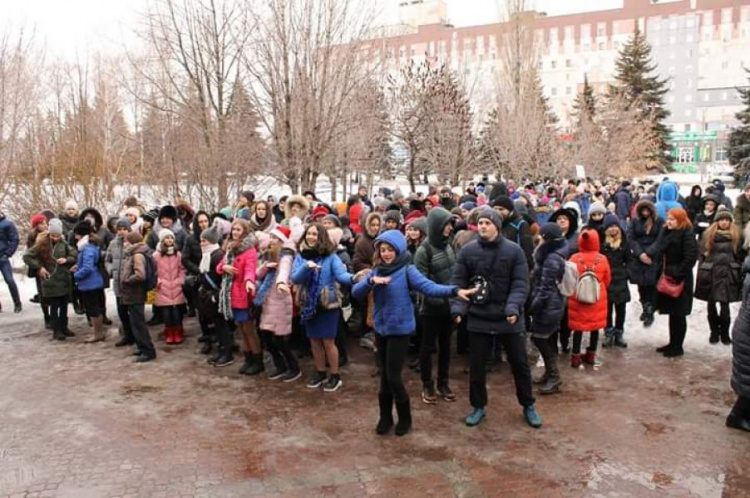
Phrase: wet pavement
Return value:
(82, 420)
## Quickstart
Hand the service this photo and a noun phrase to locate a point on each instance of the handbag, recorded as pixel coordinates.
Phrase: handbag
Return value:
(669, 286)
(330, 300)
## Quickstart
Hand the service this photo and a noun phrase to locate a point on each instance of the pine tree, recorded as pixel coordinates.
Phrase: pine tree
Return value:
(640, 87)
(739, 139)
(584, 106)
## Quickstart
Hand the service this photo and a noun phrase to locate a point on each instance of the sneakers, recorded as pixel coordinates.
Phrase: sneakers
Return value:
(368, 341)
(532, 417)
(277, 374)
(316, 380)
(333, 383)
(428, 394)
(224, 361)
(475, 417)
(446, 393)
(290, 376)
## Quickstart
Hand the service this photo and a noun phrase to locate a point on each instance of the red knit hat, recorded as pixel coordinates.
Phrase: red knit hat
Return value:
(319, 212)
(37, 219)
(282, 233)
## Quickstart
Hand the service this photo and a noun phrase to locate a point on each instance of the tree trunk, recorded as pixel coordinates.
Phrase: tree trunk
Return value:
(412, 184)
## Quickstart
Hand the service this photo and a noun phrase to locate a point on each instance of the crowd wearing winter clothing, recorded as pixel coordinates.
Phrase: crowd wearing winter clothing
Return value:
(502, 265)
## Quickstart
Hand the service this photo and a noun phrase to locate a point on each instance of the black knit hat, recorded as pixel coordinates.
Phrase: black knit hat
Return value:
(550, 231)
(83, 228)
(151, 215)
(503, 201)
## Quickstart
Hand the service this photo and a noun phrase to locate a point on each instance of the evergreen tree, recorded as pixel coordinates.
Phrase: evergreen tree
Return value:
(739, 139)
(584, 106)
(643, 90)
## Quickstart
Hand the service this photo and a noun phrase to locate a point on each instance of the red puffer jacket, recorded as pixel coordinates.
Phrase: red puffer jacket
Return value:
(584, 317)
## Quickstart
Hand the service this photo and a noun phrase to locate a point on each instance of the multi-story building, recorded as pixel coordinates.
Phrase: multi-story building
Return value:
(701, 46)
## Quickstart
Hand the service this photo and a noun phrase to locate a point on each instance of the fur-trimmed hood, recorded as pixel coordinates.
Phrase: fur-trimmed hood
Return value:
(296, 199)
(98, 218)
(645, 203)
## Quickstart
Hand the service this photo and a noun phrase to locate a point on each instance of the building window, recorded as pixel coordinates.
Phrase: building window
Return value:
(689, 38)
(720, 153)
(553, 36)
(672, 40)
(540, 65)
(724, 95)
(568, 33)
(726, 16)
(706, 97)
(686, 127)
(708, 18)
(690, 22)
(554, 92)
(602, 45)
(690, 83)
(689, 53)
(568, 90)
(568, 63)
(585, 31)
(553, 64)
(673, 24)
(601, 29)
(745, 14)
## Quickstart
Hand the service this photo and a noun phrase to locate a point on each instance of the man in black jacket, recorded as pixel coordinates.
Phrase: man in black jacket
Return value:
(500, 272)
(515, 228)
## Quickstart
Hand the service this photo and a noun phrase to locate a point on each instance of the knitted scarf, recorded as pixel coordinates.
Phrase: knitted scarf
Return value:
(225, 291)
(402, 260)
(206, 251)
(313, 287)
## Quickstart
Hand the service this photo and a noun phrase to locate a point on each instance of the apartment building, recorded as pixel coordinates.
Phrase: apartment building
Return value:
(700, 46)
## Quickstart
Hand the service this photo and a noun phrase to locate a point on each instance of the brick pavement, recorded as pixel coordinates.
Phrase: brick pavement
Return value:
(84, 421)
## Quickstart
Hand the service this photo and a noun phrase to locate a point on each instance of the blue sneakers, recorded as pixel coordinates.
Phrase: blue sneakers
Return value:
(532, 417)
(475, 417)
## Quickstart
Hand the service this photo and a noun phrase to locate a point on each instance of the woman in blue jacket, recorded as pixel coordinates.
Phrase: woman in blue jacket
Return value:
(316, 272)
(392, 278)
(89, 278)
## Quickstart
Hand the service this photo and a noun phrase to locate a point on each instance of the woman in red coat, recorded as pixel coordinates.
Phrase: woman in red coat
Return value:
(583, 317)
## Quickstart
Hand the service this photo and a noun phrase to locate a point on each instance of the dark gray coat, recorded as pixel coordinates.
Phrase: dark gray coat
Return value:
(547, 303)
(741, 342)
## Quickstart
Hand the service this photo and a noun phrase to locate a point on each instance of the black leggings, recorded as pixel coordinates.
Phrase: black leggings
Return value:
(435, 328)
(616, 314)
(648, 294)
(392, 351)
(92, 303)
(58, 312)
(280, 350)
(677, 330)
(578, 339)
(171, 316)
(722, 315)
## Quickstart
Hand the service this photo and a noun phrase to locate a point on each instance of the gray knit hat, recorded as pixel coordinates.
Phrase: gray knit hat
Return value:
(122, 223)
(211, 235)
(55, 227)
(597, 207)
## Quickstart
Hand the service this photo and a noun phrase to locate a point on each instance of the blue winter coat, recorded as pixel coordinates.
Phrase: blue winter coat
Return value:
(667, 197)
(8, 237)
(88, 276)
(393, 311)
(547, 303)
(331, 268)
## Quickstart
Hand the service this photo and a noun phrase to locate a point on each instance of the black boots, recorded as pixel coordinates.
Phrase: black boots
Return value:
(713, 324)
(403, 408)
(724, 330)
(253, 364)
(648, 311)
(553, 382)
(386, 414)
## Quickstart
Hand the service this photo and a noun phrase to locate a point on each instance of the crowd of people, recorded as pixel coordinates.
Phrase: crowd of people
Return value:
(500, 264)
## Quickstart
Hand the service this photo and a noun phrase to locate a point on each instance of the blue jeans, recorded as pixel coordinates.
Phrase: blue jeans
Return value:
(7, 271)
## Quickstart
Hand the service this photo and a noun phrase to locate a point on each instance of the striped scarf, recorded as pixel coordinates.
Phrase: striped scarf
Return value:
(225, 293)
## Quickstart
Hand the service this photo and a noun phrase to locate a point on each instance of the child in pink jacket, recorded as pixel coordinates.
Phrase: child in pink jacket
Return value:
(170, 278)
(276, 299)
(237, 269)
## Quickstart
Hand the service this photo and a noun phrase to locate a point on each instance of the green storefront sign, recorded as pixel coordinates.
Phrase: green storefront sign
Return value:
(691, 148)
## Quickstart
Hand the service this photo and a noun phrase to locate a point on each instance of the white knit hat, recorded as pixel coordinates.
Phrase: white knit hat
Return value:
(164, 233)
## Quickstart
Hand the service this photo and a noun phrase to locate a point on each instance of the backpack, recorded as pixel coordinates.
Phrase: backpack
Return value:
(567, 285)
(588, 287)
(151, 276)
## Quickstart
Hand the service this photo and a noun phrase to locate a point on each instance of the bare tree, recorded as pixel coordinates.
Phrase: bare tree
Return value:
(308, 58)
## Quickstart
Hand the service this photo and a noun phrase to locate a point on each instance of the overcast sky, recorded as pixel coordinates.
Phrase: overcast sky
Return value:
(81, 27)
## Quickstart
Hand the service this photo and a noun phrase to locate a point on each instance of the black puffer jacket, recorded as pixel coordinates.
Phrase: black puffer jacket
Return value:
(572, 235)
(504, 266)
(547, 304)
(703, 219)
(435, 259)
(640, 240)
(694, 203)
(619, 259)
(680, 250)
(741, 343)
(191, 252)
(720, 273)
(518, 230)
